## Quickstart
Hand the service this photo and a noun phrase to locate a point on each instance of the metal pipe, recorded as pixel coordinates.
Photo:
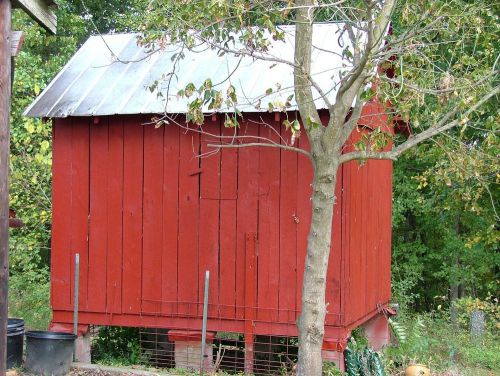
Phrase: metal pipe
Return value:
(205, 314)
(75, 301)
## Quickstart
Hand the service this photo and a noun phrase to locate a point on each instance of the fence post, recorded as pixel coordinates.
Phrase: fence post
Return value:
(205, 314)
(250, 299)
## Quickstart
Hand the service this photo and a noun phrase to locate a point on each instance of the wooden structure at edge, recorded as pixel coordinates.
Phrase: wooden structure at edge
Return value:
(148, 217)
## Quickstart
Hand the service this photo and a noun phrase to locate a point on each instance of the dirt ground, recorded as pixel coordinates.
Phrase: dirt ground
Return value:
(93, 372)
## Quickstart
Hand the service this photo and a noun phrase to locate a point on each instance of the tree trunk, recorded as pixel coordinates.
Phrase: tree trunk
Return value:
(311, 323)
(456, 289)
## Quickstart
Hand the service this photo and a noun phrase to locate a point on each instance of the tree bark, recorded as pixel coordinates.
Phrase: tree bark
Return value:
(455, 288)
(311, 322)
(325, 157)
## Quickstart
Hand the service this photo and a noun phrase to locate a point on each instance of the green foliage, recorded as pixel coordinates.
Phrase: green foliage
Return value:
(443, 234)
(445, 229)
(398, 330)
(117, 345)
(29, 298)
(432, 340)
(361, 360)
(465, 306)
(331, 369)
(31, 157)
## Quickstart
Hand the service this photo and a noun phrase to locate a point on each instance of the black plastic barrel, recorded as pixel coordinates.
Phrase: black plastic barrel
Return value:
(15, 336)
(49, 353)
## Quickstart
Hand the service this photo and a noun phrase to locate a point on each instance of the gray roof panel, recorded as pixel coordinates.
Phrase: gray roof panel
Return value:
(111, 75)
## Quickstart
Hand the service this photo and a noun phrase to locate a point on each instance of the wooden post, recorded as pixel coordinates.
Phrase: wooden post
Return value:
(5, 65)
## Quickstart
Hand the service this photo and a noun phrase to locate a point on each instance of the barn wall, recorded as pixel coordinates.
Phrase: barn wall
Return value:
(148, 217)
(367, 220)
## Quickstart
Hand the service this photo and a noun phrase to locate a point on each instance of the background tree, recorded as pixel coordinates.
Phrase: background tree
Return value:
(445, 215)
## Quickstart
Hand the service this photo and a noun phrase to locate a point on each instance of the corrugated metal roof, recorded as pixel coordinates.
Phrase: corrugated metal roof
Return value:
(111, 74)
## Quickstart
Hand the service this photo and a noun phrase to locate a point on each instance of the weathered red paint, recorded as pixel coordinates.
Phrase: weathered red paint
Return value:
(148, 217)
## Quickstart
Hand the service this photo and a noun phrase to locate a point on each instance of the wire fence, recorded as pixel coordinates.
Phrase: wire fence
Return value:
(225, 351)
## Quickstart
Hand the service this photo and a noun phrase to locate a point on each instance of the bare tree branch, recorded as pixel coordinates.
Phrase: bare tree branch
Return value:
(442, 91)
(253, 144)
(302, 72)
(351, 84)
(441, 127)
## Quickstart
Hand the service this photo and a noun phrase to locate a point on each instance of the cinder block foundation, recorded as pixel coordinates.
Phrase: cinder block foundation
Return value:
(333, 351)
(187, 349)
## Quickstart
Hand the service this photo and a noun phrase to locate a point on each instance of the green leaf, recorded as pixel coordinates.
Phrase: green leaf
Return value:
(189, 89)
(311, 123)
(367, 94)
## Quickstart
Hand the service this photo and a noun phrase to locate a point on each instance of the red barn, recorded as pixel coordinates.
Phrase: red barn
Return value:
(150, 209)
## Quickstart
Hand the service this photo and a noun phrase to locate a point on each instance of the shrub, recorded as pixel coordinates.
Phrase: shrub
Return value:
(117, 345)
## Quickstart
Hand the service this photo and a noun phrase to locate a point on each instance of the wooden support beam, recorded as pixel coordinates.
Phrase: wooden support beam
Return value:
(16, 42)
(42, 11)
(5, 65)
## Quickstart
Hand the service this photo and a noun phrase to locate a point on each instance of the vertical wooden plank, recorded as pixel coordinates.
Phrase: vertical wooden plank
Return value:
(61, 215)
(269, 223)
(357, 238)
(133, 159)
(335, 259)
(386, 209)
(152, 228)
(170, 218)
(188, 282)
(374, 197)
(209, 216)
(288, 234)
(345, 287)
(115, 215)
(304, 191)
(98, 230)
(80, 204)
(227, 229)
(353, 230)
(386, 246)
(248, 180)
(364, 216)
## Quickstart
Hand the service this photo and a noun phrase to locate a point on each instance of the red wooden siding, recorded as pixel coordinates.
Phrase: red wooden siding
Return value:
(170, 228)
(98, 239)
(79, 203)
(133, 176)
(115, 216)
(148, 216)
(367, 211)
(269, 199)
(209, 217)
(61, 217)
(288, 234)
(228, 228)
(152, 225)
(188, 252)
